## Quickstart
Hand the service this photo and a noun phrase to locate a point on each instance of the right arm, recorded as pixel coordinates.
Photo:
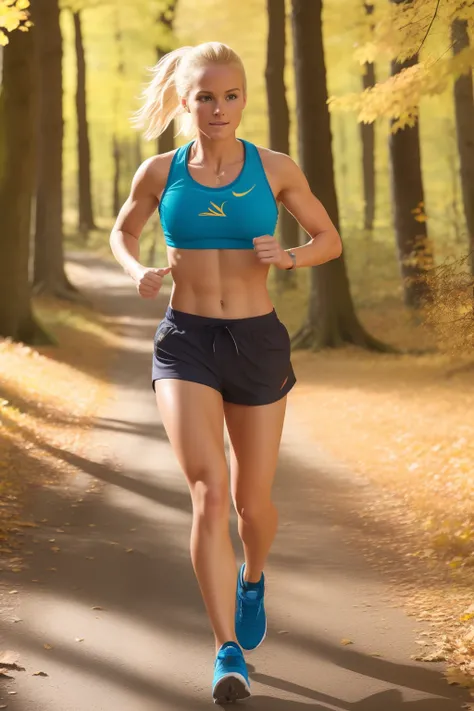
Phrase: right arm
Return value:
(149, 180)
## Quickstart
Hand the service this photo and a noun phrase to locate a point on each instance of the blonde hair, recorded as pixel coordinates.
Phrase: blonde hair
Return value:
(171, 80)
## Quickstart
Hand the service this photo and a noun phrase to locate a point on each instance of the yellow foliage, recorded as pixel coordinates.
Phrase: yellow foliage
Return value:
(398, 97)
(400, 32)
(13, 16)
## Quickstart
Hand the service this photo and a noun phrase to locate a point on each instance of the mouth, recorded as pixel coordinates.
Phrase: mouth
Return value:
(219, 123)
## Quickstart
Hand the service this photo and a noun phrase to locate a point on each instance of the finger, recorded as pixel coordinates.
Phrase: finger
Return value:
(153, 280)
(263, 240)
(163, 271)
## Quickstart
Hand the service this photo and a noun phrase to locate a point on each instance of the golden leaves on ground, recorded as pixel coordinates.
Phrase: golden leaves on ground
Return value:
(40, 423)
(408, 433)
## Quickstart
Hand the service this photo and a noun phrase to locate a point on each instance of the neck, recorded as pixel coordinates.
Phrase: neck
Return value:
(216, 154)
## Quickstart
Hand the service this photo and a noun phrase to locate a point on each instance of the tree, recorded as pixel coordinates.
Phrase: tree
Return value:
(331, 319)
(18, 145)
(414, 248)
(464, 109)
(367, 133)
(86, 216)
(279, 118)
(49, 273)
(166, 19)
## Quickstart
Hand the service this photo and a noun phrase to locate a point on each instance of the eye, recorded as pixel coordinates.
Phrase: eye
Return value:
(203, 98)
(232, 96)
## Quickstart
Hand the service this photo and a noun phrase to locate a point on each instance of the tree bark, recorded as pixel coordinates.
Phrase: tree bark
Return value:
(464, 109)
(367, 132)
(18, 154)
(86, 215)
(279, 120)
(414, 248)
(116, 151)
(331, 319)
(165, 142)
(49, 274)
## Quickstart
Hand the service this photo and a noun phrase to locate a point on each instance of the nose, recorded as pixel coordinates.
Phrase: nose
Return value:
(217, 110)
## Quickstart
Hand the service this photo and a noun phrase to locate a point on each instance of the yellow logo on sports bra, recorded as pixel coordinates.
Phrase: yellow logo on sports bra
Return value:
(214, 211)
(243, 194)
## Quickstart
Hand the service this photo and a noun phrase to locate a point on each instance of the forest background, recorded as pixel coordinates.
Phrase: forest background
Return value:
(400, 413)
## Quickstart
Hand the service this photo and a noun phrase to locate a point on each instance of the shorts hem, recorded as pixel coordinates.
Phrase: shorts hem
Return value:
(188, 380)
(268, 401)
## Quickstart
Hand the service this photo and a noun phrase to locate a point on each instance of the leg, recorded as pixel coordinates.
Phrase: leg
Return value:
(194, 421)
(255, 434)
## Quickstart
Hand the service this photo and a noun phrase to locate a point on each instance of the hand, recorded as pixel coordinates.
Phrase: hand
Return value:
(270, 251)
(149, 281)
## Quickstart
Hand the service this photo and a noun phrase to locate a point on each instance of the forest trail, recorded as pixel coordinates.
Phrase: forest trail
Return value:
(122, 619)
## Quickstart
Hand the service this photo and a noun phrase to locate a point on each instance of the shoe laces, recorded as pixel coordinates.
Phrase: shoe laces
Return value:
(250, 598)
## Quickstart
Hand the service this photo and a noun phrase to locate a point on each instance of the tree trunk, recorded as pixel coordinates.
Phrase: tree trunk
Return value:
(367, 132)
(331, 320)
(279, 120)
(116, 181)
(414, 248)
(49, 274)
(464, 108)
(18, 153)
(86, 216)
(166, 19)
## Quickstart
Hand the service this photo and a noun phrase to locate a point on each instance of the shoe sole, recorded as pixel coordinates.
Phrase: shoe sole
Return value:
(230, 688)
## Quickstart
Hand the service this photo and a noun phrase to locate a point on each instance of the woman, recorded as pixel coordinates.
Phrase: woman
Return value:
(220, 353)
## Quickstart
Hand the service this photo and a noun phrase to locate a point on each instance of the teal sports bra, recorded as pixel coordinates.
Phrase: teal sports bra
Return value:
(195, 216)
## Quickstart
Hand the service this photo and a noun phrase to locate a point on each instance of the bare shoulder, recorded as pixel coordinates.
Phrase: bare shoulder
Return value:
(281, 170)
(275, 161)
(152, 174)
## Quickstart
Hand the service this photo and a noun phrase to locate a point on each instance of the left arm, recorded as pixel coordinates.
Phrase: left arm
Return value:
(295, 194)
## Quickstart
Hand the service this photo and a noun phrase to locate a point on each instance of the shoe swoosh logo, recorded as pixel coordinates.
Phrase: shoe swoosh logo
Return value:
(245, 193)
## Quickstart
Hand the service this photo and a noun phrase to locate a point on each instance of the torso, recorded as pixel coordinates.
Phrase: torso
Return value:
(219, 283)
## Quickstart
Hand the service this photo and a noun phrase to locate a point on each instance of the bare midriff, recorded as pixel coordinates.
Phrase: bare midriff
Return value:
(219, 283)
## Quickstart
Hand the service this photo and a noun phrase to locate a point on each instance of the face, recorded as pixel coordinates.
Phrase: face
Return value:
(216, 100)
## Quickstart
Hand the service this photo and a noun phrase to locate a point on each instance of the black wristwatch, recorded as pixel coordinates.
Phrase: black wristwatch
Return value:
(293, 259)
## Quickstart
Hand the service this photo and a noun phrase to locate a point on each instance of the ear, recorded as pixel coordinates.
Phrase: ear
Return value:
(184, 105)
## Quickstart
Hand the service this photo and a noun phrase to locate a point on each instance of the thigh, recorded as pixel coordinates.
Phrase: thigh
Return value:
(193, 418)
(255, 434)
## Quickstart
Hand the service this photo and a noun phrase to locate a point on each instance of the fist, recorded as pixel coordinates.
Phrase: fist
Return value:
(269, 251)
(149, 281)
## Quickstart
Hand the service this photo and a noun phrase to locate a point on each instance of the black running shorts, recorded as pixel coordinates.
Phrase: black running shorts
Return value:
(245, 359)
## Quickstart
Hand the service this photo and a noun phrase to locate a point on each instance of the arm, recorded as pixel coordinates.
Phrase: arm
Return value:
(135, 212)
(295, 194)
(133, 216)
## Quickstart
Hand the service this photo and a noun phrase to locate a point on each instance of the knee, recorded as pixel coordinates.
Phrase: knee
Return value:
(210, 502)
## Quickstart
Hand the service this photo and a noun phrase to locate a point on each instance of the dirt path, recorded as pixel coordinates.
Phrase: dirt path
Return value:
(121, 609)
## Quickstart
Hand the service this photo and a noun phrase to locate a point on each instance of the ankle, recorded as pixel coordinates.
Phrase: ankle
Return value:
(252, 575)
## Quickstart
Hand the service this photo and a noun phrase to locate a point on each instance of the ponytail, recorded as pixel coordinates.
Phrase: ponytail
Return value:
(161, 103)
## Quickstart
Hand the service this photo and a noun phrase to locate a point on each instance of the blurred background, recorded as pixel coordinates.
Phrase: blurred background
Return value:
(374, 100)
(403, 178)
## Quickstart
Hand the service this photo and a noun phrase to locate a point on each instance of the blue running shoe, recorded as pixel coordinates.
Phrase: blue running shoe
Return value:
(250, 617)
(231, 679)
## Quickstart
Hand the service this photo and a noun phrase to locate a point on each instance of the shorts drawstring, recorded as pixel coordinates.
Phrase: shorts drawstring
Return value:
(231, 335)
